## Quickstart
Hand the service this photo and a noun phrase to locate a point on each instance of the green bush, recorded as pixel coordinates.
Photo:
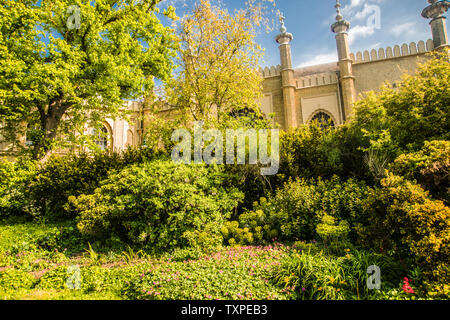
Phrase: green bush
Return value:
(159, 204)
(404, 220)
(333, 234)
(430, 167)
(295, 210)
(398, 120)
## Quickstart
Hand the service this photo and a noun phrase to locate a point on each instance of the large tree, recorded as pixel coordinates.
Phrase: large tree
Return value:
(219, 60)
(64, 63)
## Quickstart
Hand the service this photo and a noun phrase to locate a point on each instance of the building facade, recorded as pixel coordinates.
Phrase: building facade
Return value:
(296, 96)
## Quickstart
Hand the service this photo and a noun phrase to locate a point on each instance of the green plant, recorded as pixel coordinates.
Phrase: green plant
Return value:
(295, 210)
(430, 167)
(404, 220)
(71, 175)
(129, 256)
(94, 257)
(12, 279)
(333, 234)
(15, 178)
(321, 277)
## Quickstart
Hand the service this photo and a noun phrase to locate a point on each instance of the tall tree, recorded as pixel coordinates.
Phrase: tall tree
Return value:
(64, 63)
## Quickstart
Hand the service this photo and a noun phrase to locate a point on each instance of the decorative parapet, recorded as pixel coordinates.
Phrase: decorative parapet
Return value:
(270, 72)
(389, 52)
(315, 80)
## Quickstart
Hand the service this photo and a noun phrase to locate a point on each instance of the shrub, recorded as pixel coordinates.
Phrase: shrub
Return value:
(295, 210)
(404, 220)
(61, 177)
(159, 204)
(309, 152)
(15, 178)
(333, 234)
(430, 167)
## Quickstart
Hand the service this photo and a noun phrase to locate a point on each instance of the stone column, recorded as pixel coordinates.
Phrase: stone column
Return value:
(435, 12)
(347, 80)
(287, 77)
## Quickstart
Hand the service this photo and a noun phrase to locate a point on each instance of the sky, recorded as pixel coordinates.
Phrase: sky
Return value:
(374, 24)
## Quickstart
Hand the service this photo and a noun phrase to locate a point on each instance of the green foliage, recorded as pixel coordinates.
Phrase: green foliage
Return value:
(15, 178)
(430, 167)
(403, 118)
(321, 277)
(310, 152)
(333, 234)
(12, 279)
(61, 177)
(55, 79)
(159, 204)
(54, 279)
(231, 274)
(295, 210)
(404, 220)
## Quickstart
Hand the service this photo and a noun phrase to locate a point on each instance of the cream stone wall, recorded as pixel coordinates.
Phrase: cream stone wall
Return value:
(317, 87)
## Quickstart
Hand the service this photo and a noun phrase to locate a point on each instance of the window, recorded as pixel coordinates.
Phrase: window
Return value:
(101, 138)
(323, 119)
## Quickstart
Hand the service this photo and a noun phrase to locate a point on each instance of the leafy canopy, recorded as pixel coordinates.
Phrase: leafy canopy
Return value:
(67, 63)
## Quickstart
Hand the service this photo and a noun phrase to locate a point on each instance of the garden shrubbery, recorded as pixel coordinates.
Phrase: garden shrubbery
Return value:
(61, 177)
(379, 183)
(159, 204)
(15, 178)
(294, 211)
(402, 218)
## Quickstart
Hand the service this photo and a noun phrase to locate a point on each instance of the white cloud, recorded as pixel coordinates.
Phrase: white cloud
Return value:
(405, 28)
(360, 32)
(319, 59)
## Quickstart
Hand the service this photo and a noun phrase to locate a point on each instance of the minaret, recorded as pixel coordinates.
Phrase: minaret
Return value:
(435, 11)
(287, 77)
(347, 80)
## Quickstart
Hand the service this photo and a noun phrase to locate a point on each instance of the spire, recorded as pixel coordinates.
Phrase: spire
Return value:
(341, 25)
(284, 37)
(339, 16)
(283, 27)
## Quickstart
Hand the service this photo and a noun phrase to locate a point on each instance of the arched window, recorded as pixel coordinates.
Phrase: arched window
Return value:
(101, 138)
(323, 119)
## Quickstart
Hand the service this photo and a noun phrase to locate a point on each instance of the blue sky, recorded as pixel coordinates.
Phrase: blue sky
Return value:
(309, 21)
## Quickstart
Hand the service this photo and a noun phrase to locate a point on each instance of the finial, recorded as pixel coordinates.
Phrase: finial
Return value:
(341, 25)
(284, 37)
(339, 16)
(283, 27)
